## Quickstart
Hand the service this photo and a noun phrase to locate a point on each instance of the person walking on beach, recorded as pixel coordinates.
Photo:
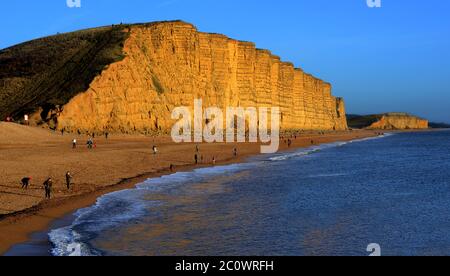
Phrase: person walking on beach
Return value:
(90, 143)
(155, 150)
(106, 135)
(196, 159)
(74, 143)
(48, 184)
(68, 180)
(235, 152)
(25, 118)
(214, 160)
(25, 182)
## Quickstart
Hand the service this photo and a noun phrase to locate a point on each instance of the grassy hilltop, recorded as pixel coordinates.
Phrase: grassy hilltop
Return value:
(45, 73)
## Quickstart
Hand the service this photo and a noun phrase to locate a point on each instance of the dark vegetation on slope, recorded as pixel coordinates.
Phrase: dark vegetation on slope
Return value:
(362, 121)
(46, 73)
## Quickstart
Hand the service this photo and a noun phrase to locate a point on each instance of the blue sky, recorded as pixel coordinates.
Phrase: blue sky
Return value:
(394, 58)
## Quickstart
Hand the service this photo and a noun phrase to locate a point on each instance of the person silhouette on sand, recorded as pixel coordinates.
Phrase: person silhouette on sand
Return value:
(48, 185)
(25, 182)
(90, 143)
(68, 180)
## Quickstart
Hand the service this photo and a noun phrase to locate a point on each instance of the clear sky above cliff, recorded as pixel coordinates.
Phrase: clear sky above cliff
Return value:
(393, 58)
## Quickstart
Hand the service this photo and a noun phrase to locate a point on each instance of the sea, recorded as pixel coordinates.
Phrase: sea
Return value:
(334, 199)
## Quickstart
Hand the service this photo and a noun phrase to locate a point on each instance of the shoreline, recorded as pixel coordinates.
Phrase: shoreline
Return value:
(20, 226)
(40, 217)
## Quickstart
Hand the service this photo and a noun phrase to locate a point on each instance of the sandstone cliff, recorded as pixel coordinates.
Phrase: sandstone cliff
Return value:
(388, 121)
(169, 64)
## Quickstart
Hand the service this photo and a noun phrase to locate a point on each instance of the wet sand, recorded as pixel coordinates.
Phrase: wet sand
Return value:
(117, 163)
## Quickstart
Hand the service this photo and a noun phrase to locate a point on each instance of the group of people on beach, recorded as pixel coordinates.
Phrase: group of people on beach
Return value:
(91, 144)
(48, 184)
(198, 158)
(24, 121)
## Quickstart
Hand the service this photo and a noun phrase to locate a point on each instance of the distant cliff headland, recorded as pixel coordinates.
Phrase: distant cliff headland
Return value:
(128, 78)
(387, 121)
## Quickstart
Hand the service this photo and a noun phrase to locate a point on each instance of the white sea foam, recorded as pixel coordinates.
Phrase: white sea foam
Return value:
(304, 152)
(121, 207)
(64, 244)
(110, 210)
(314, 149)
(388, 134)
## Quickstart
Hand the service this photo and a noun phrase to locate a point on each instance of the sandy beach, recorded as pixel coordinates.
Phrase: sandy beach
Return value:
(116, 163)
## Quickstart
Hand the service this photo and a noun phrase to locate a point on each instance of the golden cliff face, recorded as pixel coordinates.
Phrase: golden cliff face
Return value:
(399, 121)
(170, 64)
